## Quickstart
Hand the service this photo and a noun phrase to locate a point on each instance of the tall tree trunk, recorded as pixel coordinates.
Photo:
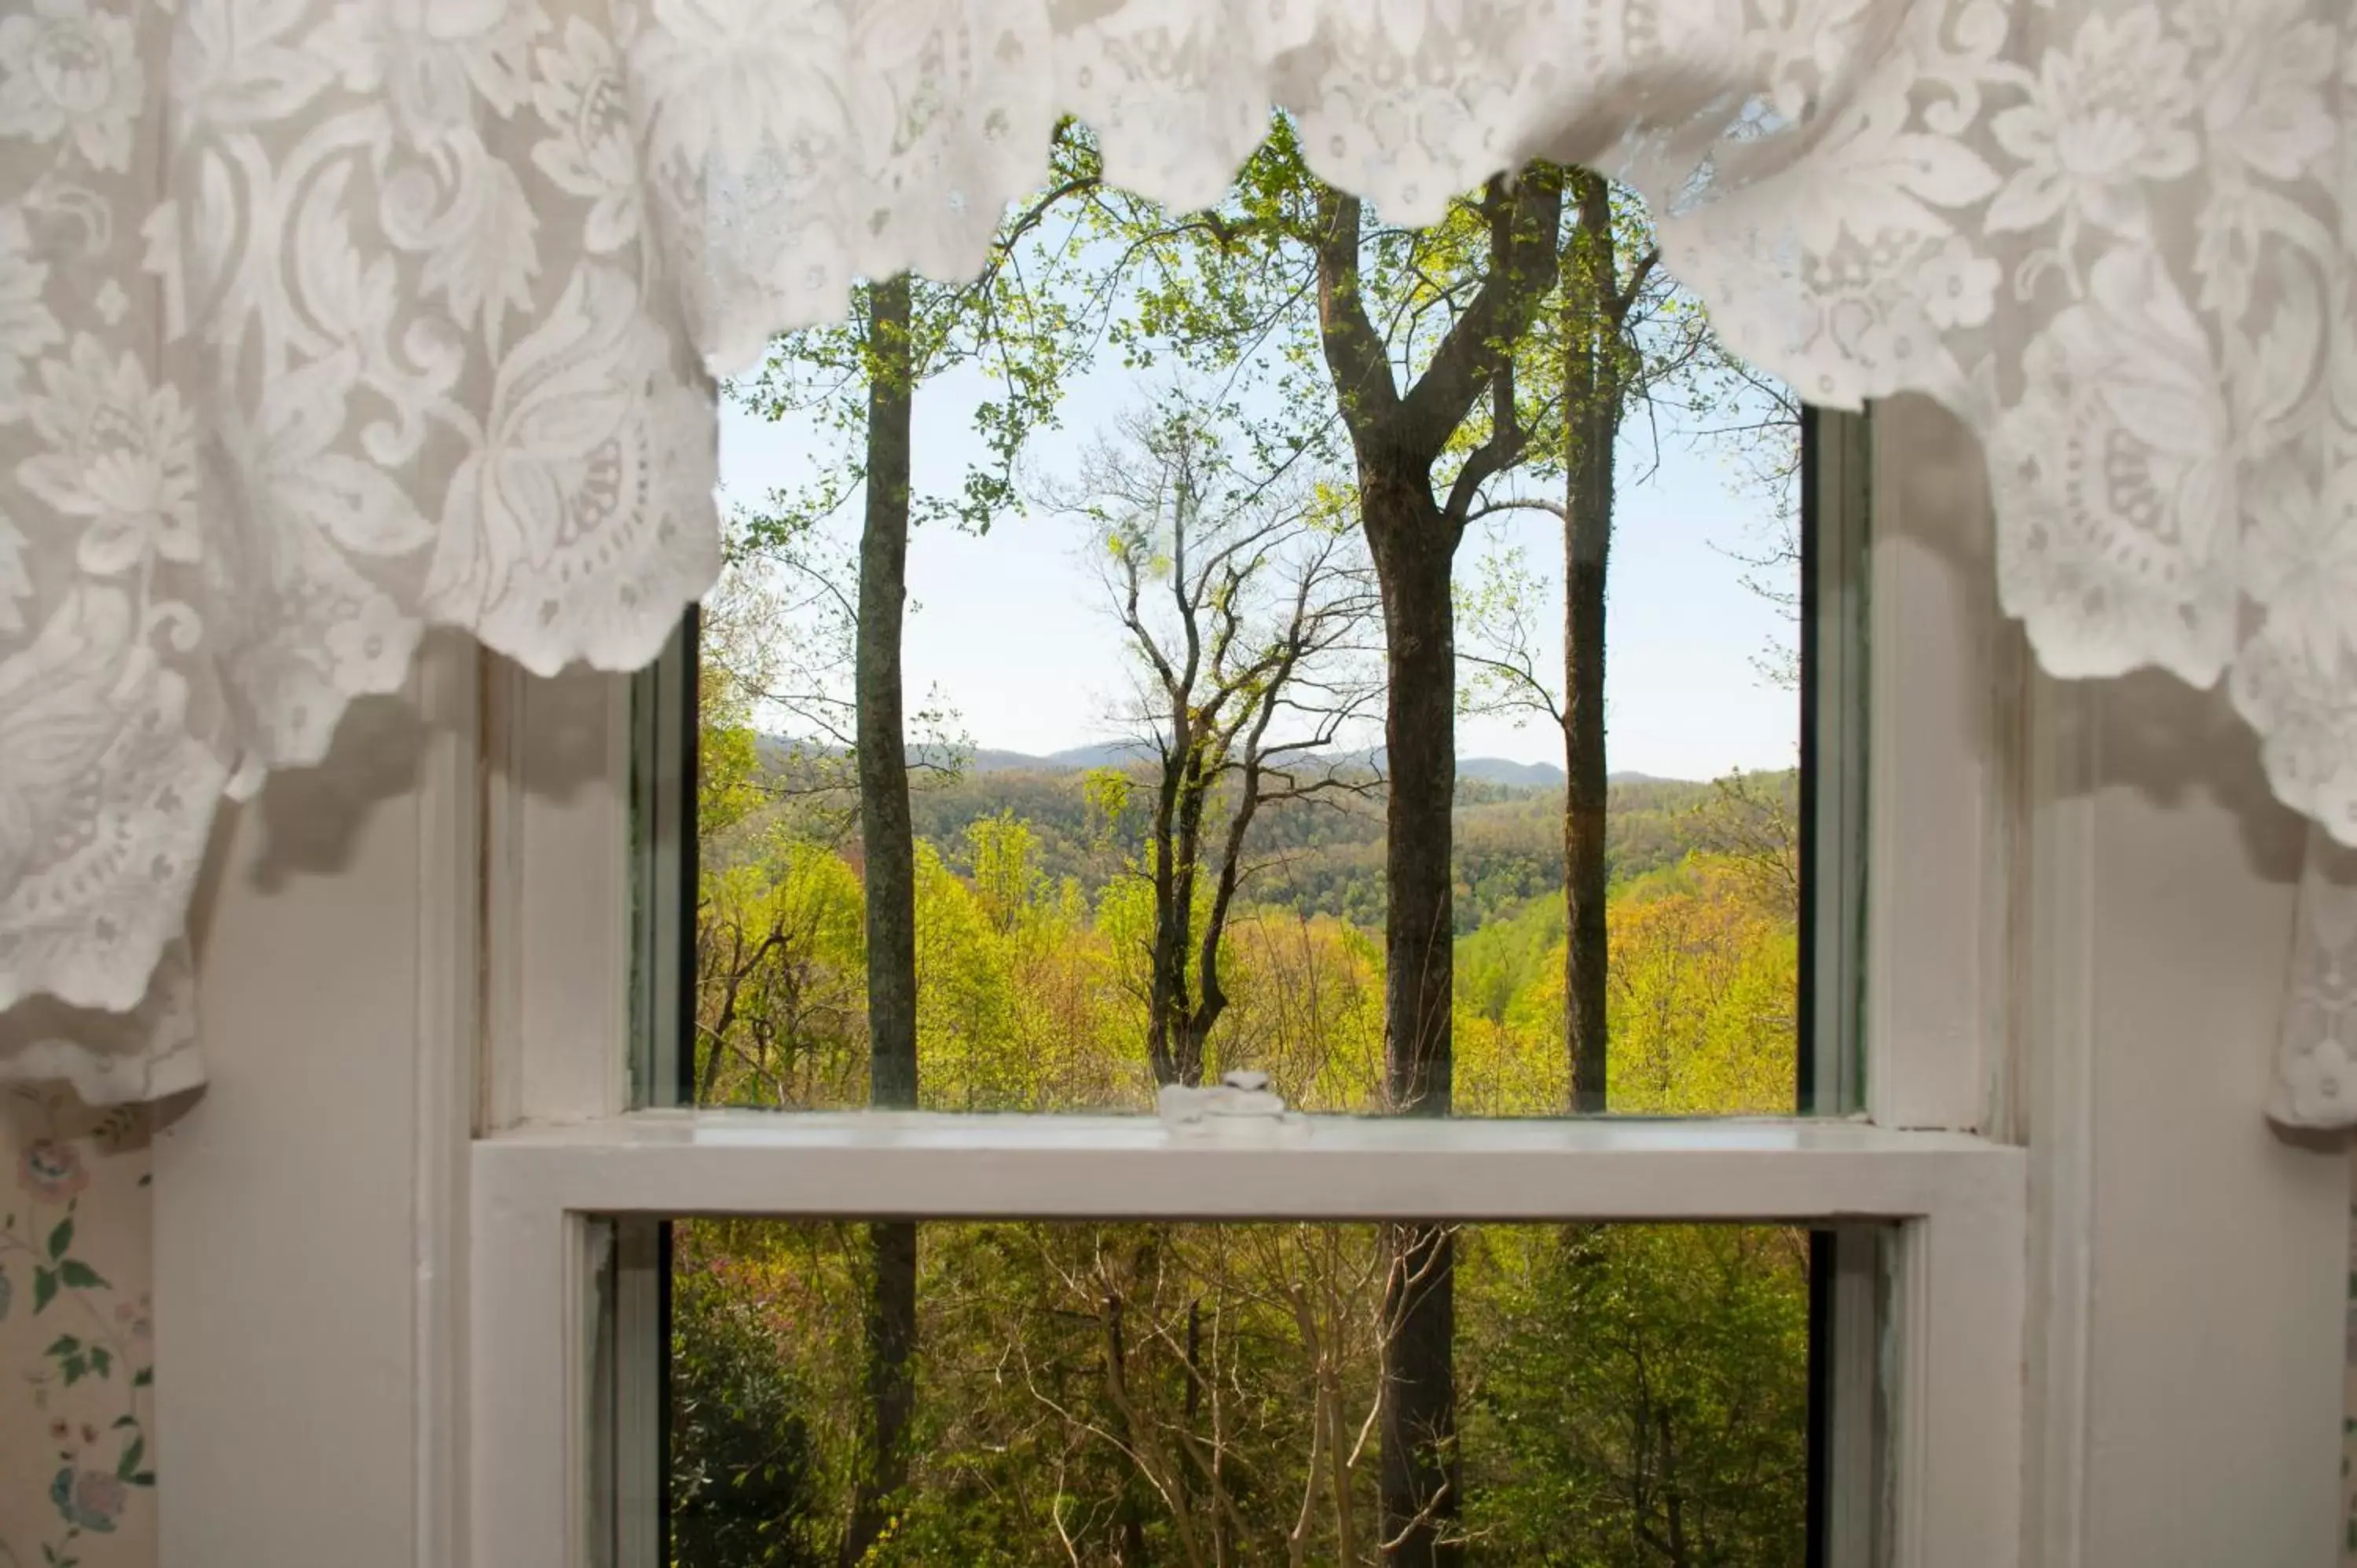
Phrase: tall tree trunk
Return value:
(1413, 547)
(1173, 1046)
(1166, 1003)
(1397, 439)
(1194, 796)
(890, 1382)
(1591, 385)
(889, 849)
(1421, 1476)
(1194, 1047)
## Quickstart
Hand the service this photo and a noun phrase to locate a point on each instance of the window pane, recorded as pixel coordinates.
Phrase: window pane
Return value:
(1135, 1393)
(1238, 675)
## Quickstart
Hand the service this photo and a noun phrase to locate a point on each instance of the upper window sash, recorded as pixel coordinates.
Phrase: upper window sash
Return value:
(589, 884)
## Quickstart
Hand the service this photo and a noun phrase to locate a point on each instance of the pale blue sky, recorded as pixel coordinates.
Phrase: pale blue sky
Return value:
(1010, 626)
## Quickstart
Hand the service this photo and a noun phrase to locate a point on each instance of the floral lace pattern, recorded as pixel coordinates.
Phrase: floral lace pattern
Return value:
(322, 320)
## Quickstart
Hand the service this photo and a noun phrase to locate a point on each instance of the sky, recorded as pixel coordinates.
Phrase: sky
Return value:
(1010, 626)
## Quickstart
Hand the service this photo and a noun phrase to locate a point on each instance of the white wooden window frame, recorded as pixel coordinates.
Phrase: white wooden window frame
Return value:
(559, 1151)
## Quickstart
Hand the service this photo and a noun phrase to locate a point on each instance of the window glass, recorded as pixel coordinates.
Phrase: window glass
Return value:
(1210, 1393)
(1042, 746)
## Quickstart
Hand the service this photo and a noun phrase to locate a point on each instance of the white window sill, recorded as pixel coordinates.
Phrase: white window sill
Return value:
(909, 1162)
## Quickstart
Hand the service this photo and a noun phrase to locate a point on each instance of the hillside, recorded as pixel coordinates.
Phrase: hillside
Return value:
(1321, 856)
(1122, 753)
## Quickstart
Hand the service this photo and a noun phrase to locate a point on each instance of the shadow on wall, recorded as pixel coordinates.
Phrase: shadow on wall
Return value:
(2171, 742)
(2168, 741)
(312, 817)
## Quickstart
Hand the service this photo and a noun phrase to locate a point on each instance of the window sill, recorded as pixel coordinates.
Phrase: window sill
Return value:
(869, 1163)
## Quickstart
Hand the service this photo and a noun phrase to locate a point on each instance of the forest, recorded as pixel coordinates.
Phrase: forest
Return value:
(1329, 406)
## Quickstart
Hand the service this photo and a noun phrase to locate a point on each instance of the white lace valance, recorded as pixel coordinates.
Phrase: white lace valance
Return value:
(321, 320)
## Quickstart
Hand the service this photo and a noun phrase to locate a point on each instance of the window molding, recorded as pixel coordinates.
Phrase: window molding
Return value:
(1946, 746)
(2054, 1065)
(1837, 728)
(449, 687)
(556, 892)
(1936, 776)
(663, 767)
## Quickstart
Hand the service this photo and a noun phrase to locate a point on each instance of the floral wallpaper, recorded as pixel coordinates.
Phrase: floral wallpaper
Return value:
(77, 1341)
(2349, 1416)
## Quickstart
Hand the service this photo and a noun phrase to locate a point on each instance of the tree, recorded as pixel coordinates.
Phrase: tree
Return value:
(1021, 334)
(778, 916)
(1646, 1398)
(888, 847)
(1598, 295)
(1398, 439)
(1453, 304)
(1241, 595)
(742, 1484)
(1615, 334)
(1753, 822)
(1755, 423)
(777, 1007)
(1112, 1393)
(1117, 1393)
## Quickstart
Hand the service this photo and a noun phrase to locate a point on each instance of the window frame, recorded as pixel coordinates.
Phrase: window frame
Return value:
(559, 1152)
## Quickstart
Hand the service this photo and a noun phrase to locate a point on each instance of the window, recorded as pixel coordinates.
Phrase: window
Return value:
(629, 1108)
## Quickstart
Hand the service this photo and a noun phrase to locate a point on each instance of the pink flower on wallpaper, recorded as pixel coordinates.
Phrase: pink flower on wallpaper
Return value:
(53, 1171)
(94, 1500)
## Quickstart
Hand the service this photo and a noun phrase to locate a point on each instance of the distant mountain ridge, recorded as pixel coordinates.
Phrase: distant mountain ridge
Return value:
(1123, 753)
(1318, 856)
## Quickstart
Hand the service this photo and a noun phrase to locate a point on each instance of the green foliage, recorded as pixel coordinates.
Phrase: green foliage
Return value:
(1641, 1396)
(728, 774)
(1703, 980)
(1503, 961)
(1026, 324)
(1324, 856)
(1034, 922)
(1005, 879)
(1635, 1395)
(743, 1490)
(780, 994)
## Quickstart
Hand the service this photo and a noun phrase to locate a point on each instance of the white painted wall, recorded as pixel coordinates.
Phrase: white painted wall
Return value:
(298, 1361)
(282, 1234)
(2218, 1268)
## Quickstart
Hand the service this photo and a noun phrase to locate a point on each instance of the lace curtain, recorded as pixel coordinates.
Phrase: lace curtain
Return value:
(322, 320)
